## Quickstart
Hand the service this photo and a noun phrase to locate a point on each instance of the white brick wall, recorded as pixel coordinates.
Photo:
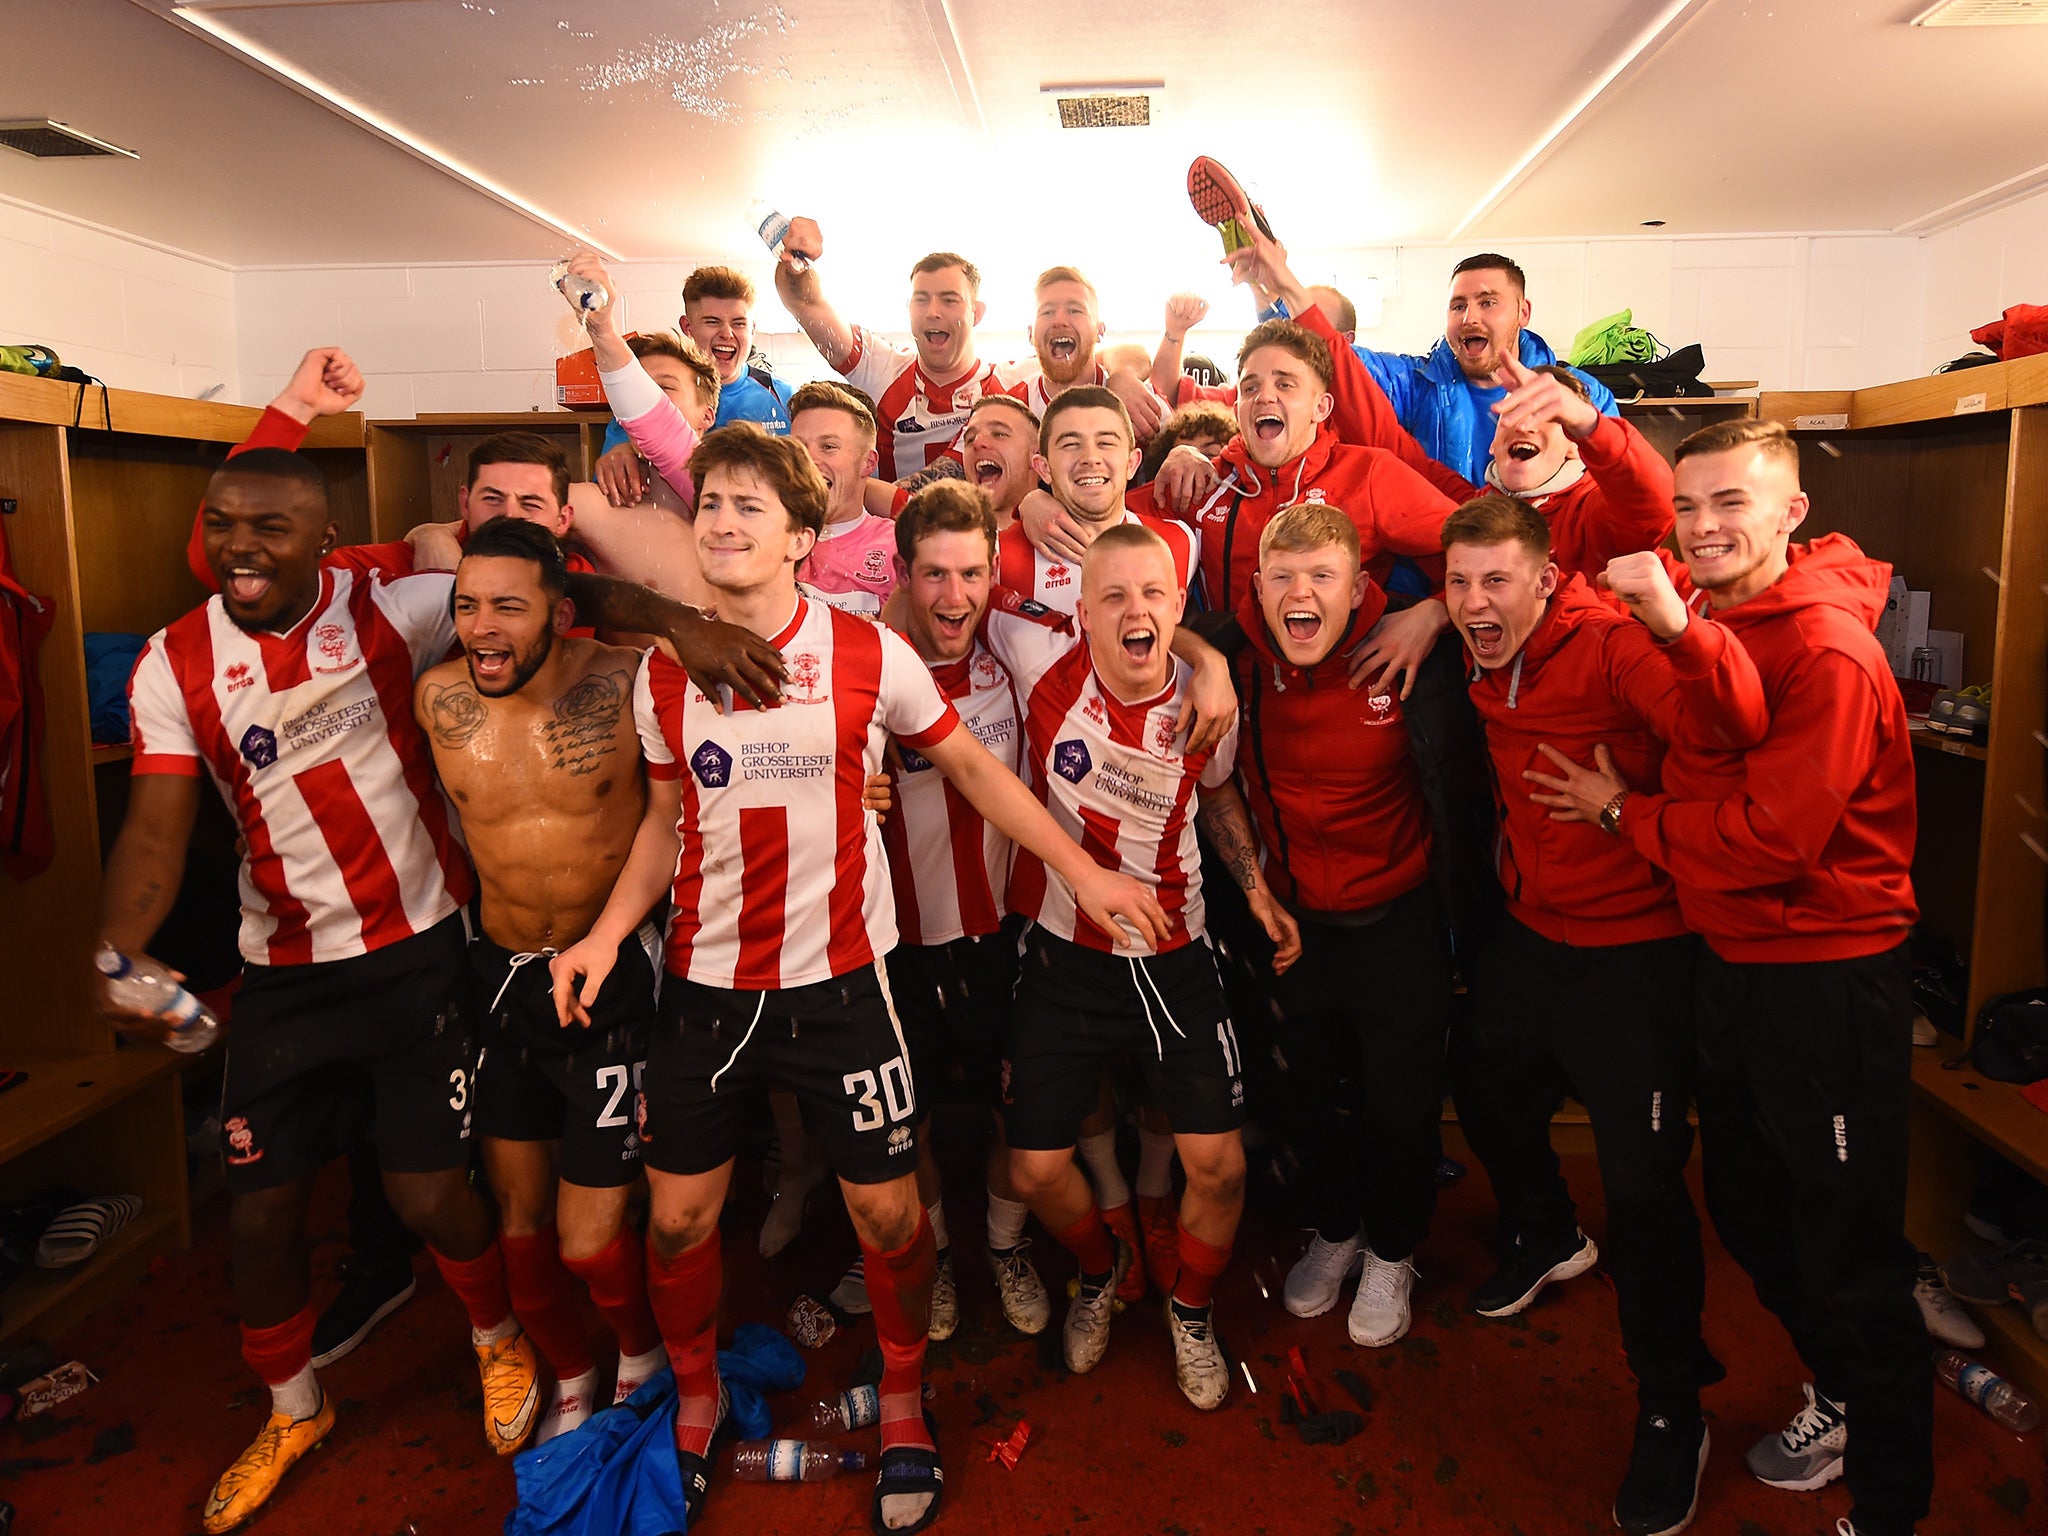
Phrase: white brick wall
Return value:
(1979, 269)
(130, 313)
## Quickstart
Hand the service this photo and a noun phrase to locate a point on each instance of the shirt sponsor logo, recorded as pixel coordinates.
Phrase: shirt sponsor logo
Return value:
(259, 746)
(239, 676)
(1120, 783)
(330, 642)
(326, 720)
(777, 760)
(1070, 760)
(712, 765)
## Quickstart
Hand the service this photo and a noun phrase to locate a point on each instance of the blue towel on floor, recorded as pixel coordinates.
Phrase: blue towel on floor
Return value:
(617, 1475)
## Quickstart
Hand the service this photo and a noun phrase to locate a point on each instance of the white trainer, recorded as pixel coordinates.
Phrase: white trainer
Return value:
(1025, 1302)
(1317, 1279)
(1088, 1316)
(1379, 1312)
(1198, 1363)
(945, 1300)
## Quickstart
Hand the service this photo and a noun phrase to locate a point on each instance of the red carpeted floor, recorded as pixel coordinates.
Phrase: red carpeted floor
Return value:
(1496, 1429)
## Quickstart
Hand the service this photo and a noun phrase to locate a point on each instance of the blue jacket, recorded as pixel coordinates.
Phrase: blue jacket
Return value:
(757, 396)
(1450, 417)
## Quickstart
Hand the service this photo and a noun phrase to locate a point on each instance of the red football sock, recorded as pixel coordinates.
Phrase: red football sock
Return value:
(1088, 1241)
(480, 1285)
(544, 1300)
(683, 1292)
(1200, 1264)
(281, 1351)
(900, 1289)
(617, 1277)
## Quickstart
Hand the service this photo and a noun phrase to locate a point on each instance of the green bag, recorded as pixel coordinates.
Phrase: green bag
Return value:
(1613, 340)
(40, 362)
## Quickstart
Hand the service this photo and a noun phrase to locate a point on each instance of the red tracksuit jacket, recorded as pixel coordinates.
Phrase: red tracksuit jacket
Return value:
(1801, 848)
(1587, 676)
(1327, 774)
(1395, 510)
(1620, 506)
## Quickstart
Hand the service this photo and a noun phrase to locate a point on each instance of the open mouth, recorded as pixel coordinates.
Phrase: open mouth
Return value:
(1138, 644)
(490, 666)
(1710, 551)
(1485, 639)
(1522, 453)
(1090, 482)
(1062, 347)
(937, 339)
(245, 584)
(1302, 623)
(1269, 427)
(1474, 345)
(952, 626)
(988, 473)
(724, 354)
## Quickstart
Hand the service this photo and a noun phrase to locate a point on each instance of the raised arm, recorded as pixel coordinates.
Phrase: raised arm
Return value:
(1694, 684)
(803, 295)
(1184, 311)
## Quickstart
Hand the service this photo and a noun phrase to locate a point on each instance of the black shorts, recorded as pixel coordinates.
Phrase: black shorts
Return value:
(536, 1081)
(954, 1001)
(1078, 1008)
(835, 1044)
(320, 1053)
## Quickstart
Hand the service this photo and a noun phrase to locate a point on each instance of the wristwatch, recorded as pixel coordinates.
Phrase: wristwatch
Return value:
(1610, 813)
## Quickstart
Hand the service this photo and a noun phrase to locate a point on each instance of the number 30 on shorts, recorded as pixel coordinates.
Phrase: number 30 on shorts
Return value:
(869, 1113)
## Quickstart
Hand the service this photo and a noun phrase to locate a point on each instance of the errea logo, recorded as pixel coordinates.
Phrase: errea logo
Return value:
(712, 765)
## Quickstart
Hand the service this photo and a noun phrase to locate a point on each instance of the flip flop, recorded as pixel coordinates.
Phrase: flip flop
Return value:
(909, 1469)
(1221, 203)
(77, 1233)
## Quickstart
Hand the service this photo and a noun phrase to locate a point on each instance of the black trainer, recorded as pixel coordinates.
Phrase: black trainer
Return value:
(369, 1294)
(1527, 1270)
(1662, 1488)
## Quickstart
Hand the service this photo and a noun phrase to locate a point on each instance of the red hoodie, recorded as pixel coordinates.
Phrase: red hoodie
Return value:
(1588, 676)
(1800, 849)
(1620, 506)
(1394, 509)
(1327, 774)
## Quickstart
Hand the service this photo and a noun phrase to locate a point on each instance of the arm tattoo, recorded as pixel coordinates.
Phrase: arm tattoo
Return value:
(1231, 839)
(584, 731)
(941, 468)
(455, 713)
(606, 602)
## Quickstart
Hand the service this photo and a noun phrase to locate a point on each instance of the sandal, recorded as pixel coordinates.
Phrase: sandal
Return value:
(909, 1469)
(77, 1233)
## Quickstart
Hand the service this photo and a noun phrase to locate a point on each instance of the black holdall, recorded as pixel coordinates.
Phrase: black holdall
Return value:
(2011, 1043)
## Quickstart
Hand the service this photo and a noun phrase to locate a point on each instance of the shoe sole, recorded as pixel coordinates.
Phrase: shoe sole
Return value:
(1706, 1440)
(1116, 1306)
(1570, 1269)
(1356, 1266)
(1394, 1337)
(397, 1300)
(1802, 1484)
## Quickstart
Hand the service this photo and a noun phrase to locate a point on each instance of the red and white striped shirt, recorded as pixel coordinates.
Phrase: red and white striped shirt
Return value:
(950, 868)
(1036, 393)
(310, 738)
(1030, 572)
(916, 419)
(781, 880)
(1112, 774)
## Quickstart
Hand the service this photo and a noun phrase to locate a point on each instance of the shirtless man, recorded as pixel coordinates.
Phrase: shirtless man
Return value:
(533, 736)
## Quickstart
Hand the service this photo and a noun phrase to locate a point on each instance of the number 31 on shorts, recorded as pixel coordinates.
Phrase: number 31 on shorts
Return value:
(869, 1113)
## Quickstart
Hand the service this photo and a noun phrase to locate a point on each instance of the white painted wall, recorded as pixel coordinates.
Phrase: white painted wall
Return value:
(1792, 312)
(134, 314)
(1979, 269)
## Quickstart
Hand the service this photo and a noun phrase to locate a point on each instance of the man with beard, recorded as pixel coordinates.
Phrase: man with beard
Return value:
(292, 690)
(922, 394)
(533, 737)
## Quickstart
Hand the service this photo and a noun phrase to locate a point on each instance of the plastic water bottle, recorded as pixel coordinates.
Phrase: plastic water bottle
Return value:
(792, 1461)
(193, 1029)
(773, 229)
(584, 294)
(1988, 1390)
(856, 1409)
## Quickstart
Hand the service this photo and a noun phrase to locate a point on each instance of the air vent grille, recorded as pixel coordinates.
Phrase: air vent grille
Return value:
(1985, 13)
(1104, 111)
(48, 140)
